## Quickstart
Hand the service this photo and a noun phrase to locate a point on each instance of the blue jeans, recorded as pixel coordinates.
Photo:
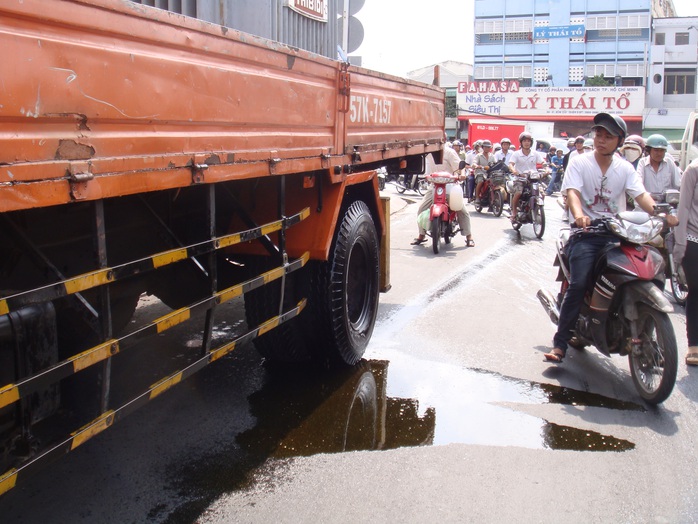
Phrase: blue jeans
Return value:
(553, 181)
(582, 252)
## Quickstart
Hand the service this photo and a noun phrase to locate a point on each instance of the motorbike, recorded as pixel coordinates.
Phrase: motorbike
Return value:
(492, 192)
(530, 208)
(417, 183)
(624, 309)
(443, 214)
(667, 203)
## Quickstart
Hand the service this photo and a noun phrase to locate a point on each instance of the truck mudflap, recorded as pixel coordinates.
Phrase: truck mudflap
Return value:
(17, 393)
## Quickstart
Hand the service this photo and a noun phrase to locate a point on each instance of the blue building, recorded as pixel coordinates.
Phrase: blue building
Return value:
(562, 47)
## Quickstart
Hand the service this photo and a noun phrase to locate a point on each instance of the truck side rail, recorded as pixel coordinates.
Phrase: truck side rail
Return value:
(103, 352)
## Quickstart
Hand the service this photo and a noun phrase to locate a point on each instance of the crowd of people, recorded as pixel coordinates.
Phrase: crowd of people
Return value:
(599, 178)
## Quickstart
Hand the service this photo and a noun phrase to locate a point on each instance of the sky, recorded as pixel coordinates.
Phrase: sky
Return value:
(404, 35)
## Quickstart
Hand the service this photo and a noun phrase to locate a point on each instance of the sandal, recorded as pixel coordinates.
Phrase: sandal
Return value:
(417, 241)
(470, 243)
(692, 356)
(556, 356)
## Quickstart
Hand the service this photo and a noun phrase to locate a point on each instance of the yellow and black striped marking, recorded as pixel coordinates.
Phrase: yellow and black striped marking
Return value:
(13, 392)
(100, 277)
(10, 478)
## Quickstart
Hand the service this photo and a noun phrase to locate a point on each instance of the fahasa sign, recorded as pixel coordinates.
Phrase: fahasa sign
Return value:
(502, 98)
(315, 9)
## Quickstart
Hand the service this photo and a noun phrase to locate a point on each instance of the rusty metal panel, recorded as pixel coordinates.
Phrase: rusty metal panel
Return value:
(387, 112)
(105, 98)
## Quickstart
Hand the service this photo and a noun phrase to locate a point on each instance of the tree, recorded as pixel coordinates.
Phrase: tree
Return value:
(597, 80)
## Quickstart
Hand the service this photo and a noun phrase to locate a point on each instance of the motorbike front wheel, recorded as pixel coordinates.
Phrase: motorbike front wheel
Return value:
(680, 292)
(497, 204)
(400, 184)
(422, 186)
(538, 216)
(653, 365)
(436, 234)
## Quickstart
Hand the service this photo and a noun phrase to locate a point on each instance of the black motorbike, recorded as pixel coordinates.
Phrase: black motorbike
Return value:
(417, 183)
(492, 192)
(530, 208)
(667, 203)
(624, 309)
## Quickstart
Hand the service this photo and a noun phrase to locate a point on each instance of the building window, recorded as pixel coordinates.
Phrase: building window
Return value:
(681, 39)
(679, 82)
(659, 38)
(451, 107)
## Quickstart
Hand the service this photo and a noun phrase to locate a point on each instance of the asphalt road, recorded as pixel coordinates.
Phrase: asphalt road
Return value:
(452, 417)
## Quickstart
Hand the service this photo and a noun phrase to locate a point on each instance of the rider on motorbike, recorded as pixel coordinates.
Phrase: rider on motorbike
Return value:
(482, 164)
(523, 160)
(451, 165)
(657, 172)
(595, 185)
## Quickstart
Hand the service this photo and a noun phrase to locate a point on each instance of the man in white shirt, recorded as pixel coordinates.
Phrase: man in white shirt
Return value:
(504, 153)
(522, 161)
(656, 171)
(595, 184)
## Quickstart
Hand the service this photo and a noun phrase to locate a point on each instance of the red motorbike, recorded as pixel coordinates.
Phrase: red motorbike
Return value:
(624, 310)
(448, 200)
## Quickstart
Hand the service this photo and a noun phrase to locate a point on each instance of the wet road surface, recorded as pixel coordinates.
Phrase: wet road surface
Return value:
(455, 361)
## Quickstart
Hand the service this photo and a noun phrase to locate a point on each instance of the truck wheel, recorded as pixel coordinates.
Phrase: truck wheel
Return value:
(344, 290)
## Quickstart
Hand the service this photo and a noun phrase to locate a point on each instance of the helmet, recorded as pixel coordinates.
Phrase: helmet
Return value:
(570, 142)
(497, 146)
(524, 135)
(612, 123)
(457, 143)
(636, 140)
(589, 142)
(486, 143)
(657, 142)
(558, 150)
(505, 140)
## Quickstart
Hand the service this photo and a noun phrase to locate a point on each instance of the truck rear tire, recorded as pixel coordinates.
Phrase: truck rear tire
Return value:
(343, 299)
(345, 289)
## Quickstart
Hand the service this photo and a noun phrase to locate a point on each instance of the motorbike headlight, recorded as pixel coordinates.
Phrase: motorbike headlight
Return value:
(617, 228)
(671, 197)
(440, 191)
(643, 233)
(534, 176)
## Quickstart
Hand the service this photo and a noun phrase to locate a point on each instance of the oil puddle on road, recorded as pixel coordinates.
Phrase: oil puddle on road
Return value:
(370, 408)
(380, 405)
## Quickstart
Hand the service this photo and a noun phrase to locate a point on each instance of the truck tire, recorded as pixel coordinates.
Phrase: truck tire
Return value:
(344, 290)
(342, 294)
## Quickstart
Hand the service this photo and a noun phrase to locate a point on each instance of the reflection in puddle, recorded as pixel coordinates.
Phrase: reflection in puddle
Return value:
(301, 413)
(370, 409)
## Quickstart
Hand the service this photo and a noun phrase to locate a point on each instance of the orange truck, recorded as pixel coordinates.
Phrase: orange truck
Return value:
(148, 155)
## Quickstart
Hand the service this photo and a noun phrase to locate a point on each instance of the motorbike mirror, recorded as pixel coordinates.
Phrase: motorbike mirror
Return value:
(461, 164)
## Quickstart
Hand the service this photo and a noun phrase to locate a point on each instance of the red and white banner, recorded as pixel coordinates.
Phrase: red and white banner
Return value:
(315, 9)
